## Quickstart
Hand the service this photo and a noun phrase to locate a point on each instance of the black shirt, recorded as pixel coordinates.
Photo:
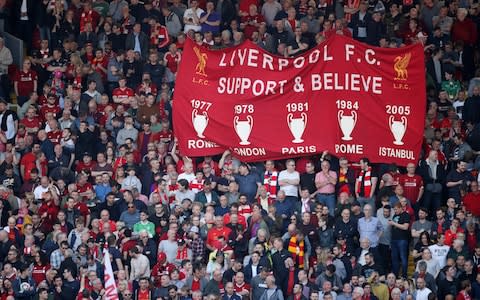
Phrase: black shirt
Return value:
(367, 270)
(348, 230)
(118, 41)
(308, 181)
(454, 176)
(397, 233)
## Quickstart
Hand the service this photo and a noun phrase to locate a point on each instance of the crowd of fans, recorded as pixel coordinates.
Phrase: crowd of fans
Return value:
(88, 161)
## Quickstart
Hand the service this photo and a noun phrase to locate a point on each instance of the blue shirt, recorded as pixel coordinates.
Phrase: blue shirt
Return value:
(370, 229)
(130, 219)
(102, 190)
(284, 207)
(213, 17)
(247, 184)
(137, 47)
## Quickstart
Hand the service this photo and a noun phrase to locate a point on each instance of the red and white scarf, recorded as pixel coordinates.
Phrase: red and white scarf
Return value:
(270, 184)
(182, 254)
(365, 176)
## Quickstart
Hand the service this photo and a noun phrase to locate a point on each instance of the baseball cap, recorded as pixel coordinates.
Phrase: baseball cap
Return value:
(194, 229)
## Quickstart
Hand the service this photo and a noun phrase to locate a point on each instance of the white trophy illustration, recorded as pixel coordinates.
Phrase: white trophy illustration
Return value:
(243, 129)
(200, 122)
(297, 126)
(398, 129)
(347, 124)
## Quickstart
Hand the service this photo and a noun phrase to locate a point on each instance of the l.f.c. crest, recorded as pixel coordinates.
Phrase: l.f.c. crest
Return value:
(401, 65)
(202, 62)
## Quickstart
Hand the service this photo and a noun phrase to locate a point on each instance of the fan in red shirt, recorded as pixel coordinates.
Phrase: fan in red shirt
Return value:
(408, 209)
(160, 268)
(123, 94)
(146, 87)
(144, 292)
(105, 109)
(48, 212)
(128, 245)
(159, 35)
(240, 286)
(252, 21)
(172, 58)
(412, 185)
(42, 99)
(83, 185)
(105, 219)
(25, 81)
(81, 207)
(100, 63)
(31, 122)
(162, 112)
(88, 16)
(89, 55)
(40, 268)
(217, 234)
(208, 161)
(452, 232)
(436, 144)
(87, 164)
(28, 162)
(180, 41)
(471, 201)
(50, 107)
(55, 134)
(245, 6)
(471, 237)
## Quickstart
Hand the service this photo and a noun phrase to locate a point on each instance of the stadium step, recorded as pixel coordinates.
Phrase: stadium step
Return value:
(411, 266)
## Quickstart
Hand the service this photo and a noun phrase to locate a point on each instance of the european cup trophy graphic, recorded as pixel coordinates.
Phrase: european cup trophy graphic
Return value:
(398, 129)
(243, 129)
(297, 126)
(200, 122)
(347, 124)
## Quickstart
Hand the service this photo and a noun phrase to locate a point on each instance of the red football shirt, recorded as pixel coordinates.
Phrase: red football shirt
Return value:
(33, 123)
(411, 187)
(28, 162)
(55, 136)
(215, 233)
(25, 82)
(195, 285)
(55, 110)
(123, 94)
(172, 61)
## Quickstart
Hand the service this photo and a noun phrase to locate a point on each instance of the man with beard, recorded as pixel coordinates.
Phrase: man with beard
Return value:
(458, 180)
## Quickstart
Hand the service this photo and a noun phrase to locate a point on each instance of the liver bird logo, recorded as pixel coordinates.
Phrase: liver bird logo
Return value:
(401, 65)
(202, 62)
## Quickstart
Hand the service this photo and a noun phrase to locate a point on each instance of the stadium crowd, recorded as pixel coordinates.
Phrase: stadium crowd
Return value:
(88, 161)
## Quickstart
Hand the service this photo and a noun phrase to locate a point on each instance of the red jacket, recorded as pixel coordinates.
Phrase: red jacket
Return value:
(465, 31)
(51, 211)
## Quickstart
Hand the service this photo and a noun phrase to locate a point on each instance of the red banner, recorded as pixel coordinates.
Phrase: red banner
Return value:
(342, 96)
